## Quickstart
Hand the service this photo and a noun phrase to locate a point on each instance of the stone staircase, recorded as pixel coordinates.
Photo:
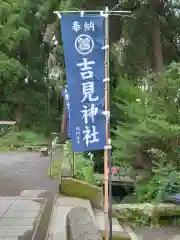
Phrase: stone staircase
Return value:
(63, 205)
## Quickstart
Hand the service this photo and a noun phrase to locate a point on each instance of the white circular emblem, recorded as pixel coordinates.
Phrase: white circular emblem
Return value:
(84, 44)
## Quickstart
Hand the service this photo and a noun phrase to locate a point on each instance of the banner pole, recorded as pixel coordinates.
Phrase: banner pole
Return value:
(107, 152)
(73, 163)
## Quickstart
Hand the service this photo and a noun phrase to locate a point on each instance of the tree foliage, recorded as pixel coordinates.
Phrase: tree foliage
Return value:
(149, 118)
(150, 38)
(23, 59)
(145, 87)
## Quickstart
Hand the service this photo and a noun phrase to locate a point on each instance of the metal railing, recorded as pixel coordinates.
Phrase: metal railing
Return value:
(61, 164)
(56, 156)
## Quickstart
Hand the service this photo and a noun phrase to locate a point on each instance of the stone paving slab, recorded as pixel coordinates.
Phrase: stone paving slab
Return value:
(6, 221)
(19, 216)
(25, 205)
(4, 205)
(75, 202)
(13, 230)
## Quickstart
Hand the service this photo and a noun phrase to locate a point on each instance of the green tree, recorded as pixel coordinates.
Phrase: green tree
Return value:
(23, 59)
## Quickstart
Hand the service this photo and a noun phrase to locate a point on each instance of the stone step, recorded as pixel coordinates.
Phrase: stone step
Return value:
(118, 231)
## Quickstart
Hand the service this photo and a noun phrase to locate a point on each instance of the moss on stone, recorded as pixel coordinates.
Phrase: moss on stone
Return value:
(120, 237)
(146, 209)
(77, 188)
(129, 212)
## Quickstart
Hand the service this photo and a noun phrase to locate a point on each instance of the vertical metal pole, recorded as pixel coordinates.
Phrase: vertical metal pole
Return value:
(73, 163)
(110, 195)
(107, 152)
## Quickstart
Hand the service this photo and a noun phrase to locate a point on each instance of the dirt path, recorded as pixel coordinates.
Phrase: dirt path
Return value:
(28, 171)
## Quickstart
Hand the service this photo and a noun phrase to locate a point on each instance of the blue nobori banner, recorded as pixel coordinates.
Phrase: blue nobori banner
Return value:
(83, 41)
(67, 106)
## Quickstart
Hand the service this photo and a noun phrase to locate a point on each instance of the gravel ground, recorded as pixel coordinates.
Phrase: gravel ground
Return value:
(24, 171)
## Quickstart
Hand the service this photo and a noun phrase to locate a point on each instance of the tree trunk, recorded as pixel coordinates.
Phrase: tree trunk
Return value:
(156, 38)
(64, 123)
(18, 117)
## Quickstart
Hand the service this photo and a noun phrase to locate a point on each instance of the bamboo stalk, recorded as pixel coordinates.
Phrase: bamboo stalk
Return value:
(94, 11)
(107, 129)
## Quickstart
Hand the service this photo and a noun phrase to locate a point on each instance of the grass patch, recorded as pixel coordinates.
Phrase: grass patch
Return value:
(123, 237)
(56, 157)
(13, 141)
(84, 169)
(4, 149)
(54, 170)
(83, 164)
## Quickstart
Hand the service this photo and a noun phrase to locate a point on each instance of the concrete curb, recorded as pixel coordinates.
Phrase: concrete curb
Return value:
(50, 220)
(131, 233)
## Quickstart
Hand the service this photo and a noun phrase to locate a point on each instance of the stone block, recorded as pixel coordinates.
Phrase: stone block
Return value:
(81, 226)
(81, 189)
(146, 209)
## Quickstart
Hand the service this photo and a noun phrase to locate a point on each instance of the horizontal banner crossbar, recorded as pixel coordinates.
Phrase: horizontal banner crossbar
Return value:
(94, 11)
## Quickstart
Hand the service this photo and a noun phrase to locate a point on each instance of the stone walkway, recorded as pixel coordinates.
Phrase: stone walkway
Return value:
(26, 194)
(19, 217)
